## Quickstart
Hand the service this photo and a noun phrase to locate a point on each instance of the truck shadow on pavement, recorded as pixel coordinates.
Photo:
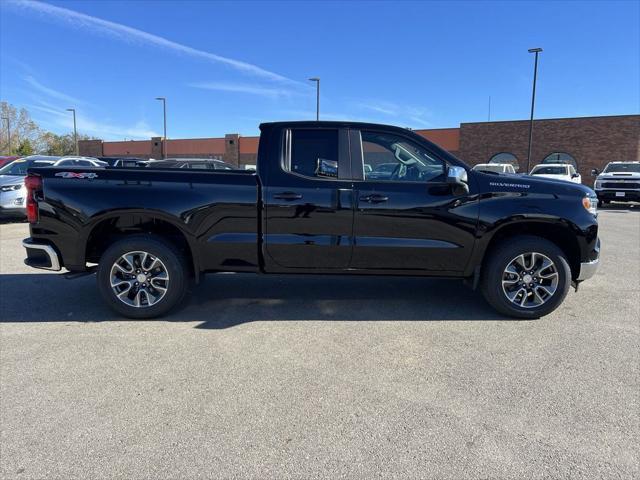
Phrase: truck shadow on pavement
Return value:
(224, 301)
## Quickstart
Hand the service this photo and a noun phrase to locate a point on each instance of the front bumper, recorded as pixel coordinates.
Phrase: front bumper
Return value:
(41, 255)
(13, 202)
(589, 269)
(13, 212)
(629, 195)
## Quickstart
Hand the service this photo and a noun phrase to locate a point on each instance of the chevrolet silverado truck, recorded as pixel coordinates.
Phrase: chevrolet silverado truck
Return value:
(311, 207)
(619, 181)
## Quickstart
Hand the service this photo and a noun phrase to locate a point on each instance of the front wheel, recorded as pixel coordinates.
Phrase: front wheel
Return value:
(142, 276)
(528, 277)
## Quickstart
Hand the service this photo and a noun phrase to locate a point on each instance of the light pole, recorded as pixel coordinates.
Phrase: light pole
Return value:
(164, 113)
(75, 130)
(533, 101)
(317, 80)
(8, 131)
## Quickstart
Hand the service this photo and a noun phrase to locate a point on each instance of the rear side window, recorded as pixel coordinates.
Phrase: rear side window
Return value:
(314, 153)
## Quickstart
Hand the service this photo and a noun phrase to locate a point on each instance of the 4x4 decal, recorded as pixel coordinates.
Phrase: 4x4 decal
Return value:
(77, 175)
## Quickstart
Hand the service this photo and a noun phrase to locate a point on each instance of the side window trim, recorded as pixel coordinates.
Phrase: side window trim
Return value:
(357, 157)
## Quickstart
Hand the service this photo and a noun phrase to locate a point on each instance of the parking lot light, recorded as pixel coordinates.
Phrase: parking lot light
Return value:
(533, 101)
(164, 114)
(75, 130)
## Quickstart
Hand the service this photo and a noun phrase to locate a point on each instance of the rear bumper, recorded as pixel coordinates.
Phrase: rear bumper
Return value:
(589, 269)
(41, 255)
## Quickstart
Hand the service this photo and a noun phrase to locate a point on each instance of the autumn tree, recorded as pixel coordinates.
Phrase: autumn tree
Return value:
(19, 125)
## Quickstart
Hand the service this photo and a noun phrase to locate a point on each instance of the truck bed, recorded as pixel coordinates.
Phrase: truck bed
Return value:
(217, 211)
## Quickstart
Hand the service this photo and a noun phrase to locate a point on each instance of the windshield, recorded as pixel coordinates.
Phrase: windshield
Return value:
(549, 171)
(623, 167)
(17, 167)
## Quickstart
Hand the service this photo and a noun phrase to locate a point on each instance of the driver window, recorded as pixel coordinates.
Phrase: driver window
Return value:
(393, 158)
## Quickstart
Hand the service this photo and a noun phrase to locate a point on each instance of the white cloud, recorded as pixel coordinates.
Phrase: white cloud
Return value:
(106, 131)
(52, 93)
(243, 88)
(55, 115)
(133, 35)
(406, 113)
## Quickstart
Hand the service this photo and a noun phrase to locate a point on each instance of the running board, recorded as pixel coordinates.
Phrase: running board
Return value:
(73, 275)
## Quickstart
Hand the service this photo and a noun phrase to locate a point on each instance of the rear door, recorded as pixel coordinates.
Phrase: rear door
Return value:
(308, 201)
(410, 220)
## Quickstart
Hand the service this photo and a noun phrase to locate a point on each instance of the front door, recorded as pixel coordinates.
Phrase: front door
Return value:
(407, 217)
(308, 202)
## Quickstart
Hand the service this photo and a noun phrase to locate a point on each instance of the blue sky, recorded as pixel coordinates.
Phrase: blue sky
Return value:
(227, 66)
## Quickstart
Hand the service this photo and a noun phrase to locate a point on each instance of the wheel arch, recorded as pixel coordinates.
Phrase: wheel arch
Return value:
(107, 228)
(559, 233)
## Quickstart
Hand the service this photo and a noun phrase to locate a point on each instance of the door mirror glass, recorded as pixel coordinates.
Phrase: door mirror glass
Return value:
(456, 175)
(327, 168)
(595, 172)
(457, 178)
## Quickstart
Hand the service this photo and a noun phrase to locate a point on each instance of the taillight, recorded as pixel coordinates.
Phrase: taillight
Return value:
(34, 186)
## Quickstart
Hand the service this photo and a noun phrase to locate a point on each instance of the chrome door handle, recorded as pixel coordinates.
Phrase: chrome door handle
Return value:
(289, 196)
(374, 198)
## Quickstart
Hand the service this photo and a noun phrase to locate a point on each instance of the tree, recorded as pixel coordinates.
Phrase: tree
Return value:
(25, 148)
(27, 136)
(22, 127)
(60, 145)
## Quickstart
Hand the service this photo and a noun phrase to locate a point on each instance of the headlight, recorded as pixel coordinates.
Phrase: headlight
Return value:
(590, 202)
(598, 184)
(9, 188)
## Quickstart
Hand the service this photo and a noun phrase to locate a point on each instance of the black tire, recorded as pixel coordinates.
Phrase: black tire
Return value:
(172, 260)
(499, 259)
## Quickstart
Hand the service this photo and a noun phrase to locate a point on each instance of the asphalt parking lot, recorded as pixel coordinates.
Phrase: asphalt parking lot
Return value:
(308, 377)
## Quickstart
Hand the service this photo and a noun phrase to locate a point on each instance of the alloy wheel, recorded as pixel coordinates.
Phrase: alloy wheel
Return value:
(139, 279)
(530, 280)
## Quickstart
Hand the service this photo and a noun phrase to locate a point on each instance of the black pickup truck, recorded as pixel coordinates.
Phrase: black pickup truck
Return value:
(318, 203)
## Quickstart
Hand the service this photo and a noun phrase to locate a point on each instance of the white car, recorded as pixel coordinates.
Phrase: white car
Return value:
(558, 171)
(80, 162)
(495, 167)
(13, 192)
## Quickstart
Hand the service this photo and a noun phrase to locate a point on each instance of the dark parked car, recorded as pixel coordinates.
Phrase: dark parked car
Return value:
(381, 171)
(123, 161)
(310, 208)
(193, 163)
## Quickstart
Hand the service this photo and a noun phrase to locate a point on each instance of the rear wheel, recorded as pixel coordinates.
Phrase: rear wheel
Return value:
(142, 276)
(528, 277)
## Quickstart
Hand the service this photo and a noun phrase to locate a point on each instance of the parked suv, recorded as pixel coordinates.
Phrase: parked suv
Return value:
(619, 181)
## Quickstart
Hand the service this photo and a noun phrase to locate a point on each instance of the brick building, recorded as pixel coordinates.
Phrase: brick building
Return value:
(590, 142)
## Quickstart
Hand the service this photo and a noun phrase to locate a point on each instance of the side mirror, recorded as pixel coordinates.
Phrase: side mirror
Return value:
(595, 172)
(457, 177)
(327, 168)
(575, 175)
